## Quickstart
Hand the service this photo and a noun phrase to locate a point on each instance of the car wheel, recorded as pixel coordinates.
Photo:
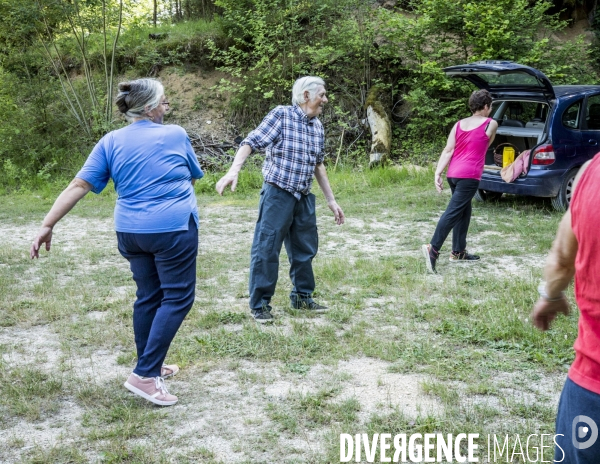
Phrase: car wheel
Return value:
(486, 195)
(562, 201)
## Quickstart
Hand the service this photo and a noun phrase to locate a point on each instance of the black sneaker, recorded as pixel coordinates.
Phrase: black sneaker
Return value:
(463, 256)
(263, 315)
(306, 303)
(430, 258)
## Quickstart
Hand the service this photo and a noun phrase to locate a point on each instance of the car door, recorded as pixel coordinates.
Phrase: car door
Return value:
(566, 132)
(590, 133)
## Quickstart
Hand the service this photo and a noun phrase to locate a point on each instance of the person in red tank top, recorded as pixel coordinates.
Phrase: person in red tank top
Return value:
(575, 253)
(465, 157)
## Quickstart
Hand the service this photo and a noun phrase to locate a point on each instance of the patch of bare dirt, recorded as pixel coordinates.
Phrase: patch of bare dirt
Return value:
(37, 345)
(577, 28)
(198, 105)
(379, 391)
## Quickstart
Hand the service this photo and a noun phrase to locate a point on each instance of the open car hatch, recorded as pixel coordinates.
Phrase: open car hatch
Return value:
(504, 77)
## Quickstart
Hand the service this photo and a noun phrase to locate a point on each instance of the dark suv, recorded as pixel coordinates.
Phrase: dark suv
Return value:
(559, 124)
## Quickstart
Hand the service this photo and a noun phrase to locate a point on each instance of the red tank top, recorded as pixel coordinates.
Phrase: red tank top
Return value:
(585, 222)
(469, 152)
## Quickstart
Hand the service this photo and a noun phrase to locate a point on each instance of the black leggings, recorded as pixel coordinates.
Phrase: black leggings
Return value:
(457, 216)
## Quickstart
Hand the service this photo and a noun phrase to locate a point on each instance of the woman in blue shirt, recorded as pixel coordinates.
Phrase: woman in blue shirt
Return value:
(153, 168)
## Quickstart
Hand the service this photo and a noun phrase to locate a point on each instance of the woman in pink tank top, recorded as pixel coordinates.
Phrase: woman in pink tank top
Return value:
(464, 155)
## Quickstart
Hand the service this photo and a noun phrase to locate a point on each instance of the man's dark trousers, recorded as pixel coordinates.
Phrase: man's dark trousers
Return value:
(578, 409)
(283, 219)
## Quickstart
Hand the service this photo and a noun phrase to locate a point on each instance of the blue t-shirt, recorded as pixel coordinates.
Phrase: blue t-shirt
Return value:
(152, 166)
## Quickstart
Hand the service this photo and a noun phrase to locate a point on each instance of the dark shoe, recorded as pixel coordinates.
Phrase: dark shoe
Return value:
(263, 315)
(308, 305)
(304, 301)
(463, 256)
(430, 258)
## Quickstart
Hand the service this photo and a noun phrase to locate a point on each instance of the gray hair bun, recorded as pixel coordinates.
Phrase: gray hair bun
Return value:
(136, 98)
(121, 100)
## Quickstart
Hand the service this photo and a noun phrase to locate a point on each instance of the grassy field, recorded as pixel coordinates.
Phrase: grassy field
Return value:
(399, 351)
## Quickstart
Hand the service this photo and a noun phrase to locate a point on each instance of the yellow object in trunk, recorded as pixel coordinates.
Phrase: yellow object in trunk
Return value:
(508, 156)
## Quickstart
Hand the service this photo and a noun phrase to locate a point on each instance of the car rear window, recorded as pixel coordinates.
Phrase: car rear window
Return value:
(516, 79)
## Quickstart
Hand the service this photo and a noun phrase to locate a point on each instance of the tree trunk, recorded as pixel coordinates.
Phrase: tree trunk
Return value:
(155, 12)
(177, 10)
(381, 128)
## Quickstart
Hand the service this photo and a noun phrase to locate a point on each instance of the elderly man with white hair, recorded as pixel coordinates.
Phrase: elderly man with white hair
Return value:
(294, 140)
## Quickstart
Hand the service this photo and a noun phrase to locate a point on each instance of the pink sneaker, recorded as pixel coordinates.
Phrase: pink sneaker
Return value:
(152, 388)
(169, 370)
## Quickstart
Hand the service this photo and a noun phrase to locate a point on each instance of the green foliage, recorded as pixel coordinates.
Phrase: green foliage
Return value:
(448, 32)
(36, 139)
(262, 46)
(353, 46)
(273, 42)
(183, 44)
(54, 84)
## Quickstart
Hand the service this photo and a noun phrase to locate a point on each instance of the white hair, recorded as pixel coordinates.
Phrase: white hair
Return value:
(307, 83)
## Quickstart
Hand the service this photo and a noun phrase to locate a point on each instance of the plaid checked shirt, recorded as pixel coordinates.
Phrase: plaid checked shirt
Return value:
(294, 146)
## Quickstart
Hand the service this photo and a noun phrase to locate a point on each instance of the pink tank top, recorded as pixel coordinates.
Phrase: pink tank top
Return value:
(585, 370)
(469, 152)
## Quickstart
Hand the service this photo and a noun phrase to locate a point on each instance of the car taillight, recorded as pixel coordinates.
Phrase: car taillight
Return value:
(543, 155)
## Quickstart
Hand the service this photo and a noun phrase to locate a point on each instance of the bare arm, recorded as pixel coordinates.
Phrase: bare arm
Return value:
(232, 175)
(323, 181)
(491, 131)
(445, 158)
(559, 271)
(65, 202)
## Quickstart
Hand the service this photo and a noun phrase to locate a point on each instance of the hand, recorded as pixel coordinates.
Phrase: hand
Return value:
(337, 212)
(439, 183)
(544, 312)
(44, 236)
(229, 178)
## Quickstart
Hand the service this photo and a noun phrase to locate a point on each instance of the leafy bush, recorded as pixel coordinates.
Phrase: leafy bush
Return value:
(178, 44)
(353, 45)
(264, 45)
(442, 33)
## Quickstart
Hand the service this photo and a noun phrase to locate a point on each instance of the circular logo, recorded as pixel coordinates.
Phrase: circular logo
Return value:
(579, 432)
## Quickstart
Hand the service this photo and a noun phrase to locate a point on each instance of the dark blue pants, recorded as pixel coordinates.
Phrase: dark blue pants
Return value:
(578, 416)
(164, 269)
(457, 216)
(283, 219)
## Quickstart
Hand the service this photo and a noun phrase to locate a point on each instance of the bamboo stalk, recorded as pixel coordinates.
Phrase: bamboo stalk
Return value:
(86, 69)
(82, 121)
(112, 61)
(108, 105)
(339, 150)
(72, 108)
